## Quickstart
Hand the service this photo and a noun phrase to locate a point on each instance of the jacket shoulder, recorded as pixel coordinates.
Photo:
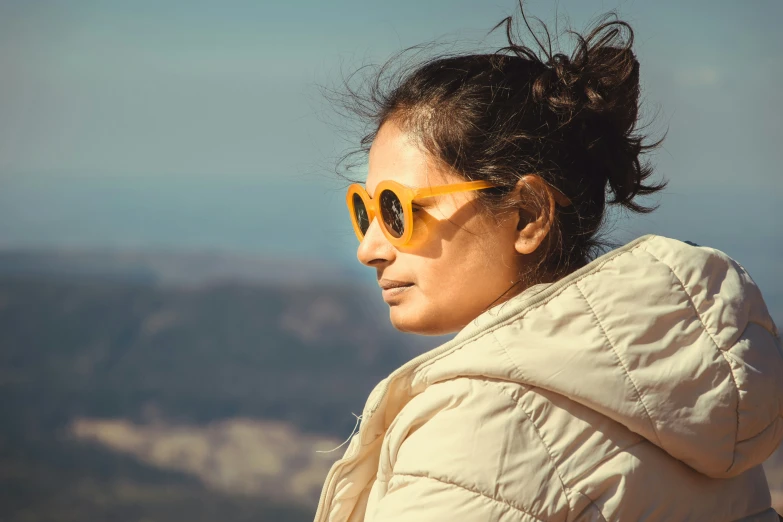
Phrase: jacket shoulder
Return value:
(473, 437)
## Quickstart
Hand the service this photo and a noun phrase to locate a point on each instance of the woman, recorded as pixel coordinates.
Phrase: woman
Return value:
(644, 384)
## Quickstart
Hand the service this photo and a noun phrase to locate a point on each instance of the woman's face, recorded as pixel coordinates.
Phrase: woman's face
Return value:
(460, 259)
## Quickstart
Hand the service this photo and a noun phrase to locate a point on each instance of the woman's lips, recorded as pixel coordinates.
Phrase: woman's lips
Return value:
(391, 289)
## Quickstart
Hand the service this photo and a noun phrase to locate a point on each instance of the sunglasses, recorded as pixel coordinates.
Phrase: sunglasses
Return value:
(393, 202)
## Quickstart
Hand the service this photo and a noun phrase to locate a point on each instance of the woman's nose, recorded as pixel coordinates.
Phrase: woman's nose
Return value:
(375, 248)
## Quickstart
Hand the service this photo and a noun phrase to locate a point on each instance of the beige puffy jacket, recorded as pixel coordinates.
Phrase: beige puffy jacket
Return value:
(647, 385)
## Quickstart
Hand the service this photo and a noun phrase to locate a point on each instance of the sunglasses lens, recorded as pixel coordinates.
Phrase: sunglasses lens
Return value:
(392, 213)
(360, 214)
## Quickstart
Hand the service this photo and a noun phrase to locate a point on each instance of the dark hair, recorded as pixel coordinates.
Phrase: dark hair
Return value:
(572, 120)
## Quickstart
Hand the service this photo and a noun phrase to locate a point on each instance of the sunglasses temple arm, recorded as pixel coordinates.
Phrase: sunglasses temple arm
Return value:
(431, 192)
(423, 193)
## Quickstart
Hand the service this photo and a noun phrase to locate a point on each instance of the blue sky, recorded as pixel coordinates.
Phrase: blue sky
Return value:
(200, 124)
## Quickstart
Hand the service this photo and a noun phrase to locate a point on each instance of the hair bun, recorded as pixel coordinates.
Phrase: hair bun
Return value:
(593, 98)
(600, 79)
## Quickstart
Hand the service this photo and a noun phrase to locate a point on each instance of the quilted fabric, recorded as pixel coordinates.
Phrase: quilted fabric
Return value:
(647, 385)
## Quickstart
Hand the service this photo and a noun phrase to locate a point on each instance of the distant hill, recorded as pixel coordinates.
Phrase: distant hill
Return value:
(170, 268)
(82, 342)
(110, 348)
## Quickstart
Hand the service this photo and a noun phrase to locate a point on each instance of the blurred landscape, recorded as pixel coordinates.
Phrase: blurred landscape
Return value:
(136, 390)
(170, 387)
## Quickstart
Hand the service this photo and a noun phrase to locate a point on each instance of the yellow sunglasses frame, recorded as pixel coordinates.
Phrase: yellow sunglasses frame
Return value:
(407, 196)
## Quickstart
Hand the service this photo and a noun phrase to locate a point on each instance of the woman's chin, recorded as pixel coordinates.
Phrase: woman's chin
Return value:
(419, 322)
(400, 320)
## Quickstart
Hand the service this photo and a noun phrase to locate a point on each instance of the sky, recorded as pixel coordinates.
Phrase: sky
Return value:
(190, 125)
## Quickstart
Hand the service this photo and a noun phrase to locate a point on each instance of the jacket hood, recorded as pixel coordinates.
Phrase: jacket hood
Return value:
(672, 340)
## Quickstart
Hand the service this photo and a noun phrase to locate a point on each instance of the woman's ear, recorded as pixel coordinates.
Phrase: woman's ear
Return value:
(536, 210)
